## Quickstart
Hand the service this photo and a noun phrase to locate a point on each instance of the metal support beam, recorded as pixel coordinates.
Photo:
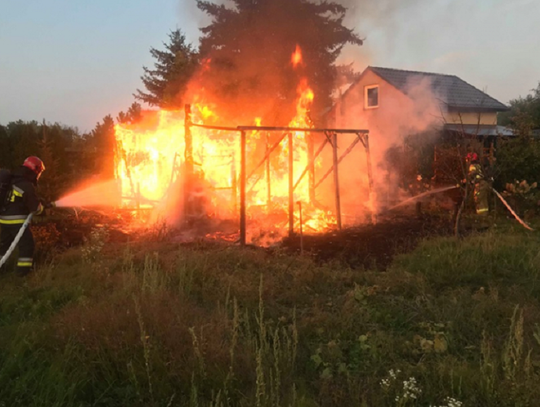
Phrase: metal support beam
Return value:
(336, 179)
(291, 185)
(243, 188)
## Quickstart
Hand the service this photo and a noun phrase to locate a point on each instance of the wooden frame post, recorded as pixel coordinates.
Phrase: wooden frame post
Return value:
(370, 177)
(188, 153)
(234, 184)
(291, 185)
(243, 188)
(268, 175)
(336, 179)
(311, 167)
(188, 159)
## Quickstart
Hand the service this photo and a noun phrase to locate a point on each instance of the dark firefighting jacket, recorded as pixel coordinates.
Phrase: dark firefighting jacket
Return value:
(475, 173)
(23, 200)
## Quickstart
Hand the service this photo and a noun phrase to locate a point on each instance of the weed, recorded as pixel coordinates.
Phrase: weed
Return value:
(94, 245)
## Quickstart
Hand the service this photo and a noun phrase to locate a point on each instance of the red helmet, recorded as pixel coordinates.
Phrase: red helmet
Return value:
(35, 164)
(472, 157)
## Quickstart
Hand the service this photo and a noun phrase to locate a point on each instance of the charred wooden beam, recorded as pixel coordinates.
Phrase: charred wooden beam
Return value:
(243, 188)
(218, 128)
(234, 183)
(336, 180)
(311, 165)
(300, 129)
(268, 175)
(301, 228)
(188, 153)
(267, 155)
(188, 160)
(345, 154)
(291, 185)
(370, 176)
(310, 168)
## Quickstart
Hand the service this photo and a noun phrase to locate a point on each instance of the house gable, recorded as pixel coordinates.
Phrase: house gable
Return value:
(457, 101)
(353, 109)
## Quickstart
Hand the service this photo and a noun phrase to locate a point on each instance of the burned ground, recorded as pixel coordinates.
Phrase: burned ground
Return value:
(372, 246)
(368, 246)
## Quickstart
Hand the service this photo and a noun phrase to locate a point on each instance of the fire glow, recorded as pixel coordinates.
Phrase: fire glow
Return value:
(150, 160)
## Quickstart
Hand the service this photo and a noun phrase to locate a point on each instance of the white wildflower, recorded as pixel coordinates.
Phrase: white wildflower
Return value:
(411, 390)
(450, 402)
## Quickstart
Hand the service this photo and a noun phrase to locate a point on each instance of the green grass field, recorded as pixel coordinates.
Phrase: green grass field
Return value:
(453, 323)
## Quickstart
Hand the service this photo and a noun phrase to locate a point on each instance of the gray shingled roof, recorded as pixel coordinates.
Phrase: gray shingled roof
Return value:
(480, 130)
(451, 90)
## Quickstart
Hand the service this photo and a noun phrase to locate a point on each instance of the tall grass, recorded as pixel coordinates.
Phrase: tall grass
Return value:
(156, 324)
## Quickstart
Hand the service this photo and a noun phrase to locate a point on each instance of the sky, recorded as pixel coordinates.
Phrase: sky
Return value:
(75, 61)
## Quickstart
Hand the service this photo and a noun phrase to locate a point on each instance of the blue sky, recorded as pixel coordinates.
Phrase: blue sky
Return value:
(75, 61)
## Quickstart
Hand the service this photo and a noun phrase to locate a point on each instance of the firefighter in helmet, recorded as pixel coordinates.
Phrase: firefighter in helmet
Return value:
(23, 200)
(481, 186)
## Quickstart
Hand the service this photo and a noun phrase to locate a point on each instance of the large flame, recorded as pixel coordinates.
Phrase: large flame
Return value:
(150, 160)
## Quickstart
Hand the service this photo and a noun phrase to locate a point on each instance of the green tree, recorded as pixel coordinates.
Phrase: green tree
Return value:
(518, 158)
(133, 114)
(524, 113)
(248, 48)
(55, 149)
(24, 140)
(5, 148)
(102, 141)
(167, 82)
(51, 142)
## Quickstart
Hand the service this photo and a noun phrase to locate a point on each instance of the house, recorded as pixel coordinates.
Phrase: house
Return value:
(394, 103)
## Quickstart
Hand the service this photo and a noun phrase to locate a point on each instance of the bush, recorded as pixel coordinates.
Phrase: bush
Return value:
(517, 159)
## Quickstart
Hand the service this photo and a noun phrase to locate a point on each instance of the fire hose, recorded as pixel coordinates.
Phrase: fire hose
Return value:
(511, 210)
(16, 240)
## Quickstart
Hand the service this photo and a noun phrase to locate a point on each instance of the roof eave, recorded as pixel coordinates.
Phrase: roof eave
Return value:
(475, 109)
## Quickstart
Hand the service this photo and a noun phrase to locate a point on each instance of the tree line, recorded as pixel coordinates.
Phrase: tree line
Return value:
(244, 57)
(69, 155)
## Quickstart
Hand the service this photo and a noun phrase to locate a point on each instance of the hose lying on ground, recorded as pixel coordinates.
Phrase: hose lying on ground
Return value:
(512, 211)
(16, 240)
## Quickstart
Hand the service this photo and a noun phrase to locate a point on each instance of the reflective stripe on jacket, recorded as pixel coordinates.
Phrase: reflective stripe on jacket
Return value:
(23, 199)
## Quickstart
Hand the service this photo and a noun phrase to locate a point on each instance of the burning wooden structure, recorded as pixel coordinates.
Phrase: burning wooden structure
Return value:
(331, 138)
(185, 161)
(241, 153)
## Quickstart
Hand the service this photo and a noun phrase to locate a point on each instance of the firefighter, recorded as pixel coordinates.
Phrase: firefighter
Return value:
(23, 200)
(481, 186)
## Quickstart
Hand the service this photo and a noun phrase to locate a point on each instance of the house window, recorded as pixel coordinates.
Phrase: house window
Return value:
(371, 96)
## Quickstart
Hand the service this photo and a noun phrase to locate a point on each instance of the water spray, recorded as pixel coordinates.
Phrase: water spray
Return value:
(415, 198)
(97, 194)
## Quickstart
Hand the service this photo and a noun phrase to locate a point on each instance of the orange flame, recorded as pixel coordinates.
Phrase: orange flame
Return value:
(150, 161)
(297, 56)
